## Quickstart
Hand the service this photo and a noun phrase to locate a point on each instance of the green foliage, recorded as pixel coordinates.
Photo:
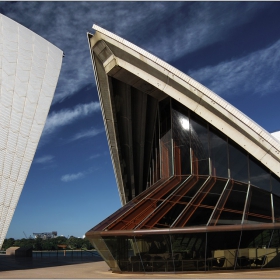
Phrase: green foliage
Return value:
(49, 244)
(8, 243)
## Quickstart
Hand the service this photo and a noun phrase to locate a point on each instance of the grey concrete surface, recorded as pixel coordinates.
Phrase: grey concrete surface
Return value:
(95, 268)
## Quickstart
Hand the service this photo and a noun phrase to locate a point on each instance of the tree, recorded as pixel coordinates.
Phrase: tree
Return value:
(8, 243)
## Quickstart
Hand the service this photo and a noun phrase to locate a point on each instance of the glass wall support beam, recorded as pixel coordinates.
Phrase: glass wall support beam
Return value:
(272, 208)
(247, 204)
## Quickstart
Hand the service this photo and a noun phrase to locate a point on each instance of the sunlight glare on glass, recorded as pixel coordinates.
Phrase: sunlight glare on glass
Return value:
(185, 123)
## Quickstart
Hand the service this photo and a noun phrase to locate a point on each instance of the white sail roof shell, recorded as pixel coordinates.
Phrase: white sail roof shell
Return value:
(29, 71)
(201, 100)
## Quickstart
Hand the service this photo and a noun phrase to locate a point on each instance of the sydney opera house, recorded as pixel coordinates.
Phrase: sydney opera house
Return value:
(29, 70)
(198, 180)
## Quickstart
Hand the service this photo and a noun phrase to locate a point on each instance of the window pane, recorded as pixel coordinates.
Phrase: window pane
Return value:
(276, 207)
(232, 212)
(238, 163)
(237, 197)
(155, 252)
(165, 139)
(218, 153)
(275, 182)
(259, 175)
(200, 145)
(181, 136)
(176, 210)
(188, 251)
(259, 206)
(221, 248)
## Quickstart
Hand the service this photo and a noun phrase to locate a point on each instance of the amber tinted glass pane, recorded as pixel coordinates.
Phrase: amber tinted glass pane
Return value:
(176, 210)
(238, 163)
(181, 135)
(259, 206)
(259, 175)
(275, 182)
(218, 153)
(200, 144)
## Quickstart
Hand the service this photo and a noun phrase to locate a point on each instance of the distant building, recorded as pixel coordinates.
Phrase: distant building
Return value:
(198, 179)
(29, 71)
(45, 235)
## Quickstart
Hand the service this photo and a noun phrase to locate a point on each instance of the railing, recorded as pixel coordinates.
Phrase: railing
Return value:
(65, 253)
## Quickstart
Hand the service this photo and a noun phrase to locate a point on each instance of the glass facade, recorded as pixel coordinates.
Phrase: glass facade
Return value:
(222, 250)
(225, 204)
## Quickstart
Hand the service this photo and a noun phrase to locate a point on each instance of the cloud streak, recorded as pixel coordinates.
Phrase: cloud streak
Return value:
(256, 73)
(86, 134)
(44, 159)
(72, 177)
(68, 116)
(194, 25)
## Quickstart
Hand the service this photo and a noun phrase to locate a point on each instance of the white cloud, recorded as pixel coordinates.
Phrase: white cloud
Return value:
(201, 25)
(68, 116)
(256, 73)
(44, 159)
(87, 133)
(71, 177)
(95, 156)
(192, 26)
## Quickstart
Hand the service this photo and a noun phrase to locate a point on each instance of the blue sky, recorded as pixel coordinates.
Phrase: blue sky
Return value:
(231, 47)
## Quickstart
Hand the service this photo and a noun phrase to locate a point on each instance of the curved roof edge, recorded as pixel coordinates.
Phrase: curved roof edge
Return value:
(225, 117)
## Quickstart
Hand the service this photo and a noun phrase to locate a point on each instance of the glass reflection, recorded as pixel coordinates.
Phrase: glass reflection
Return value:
(181, 137)
(238, 163)
(199, 145)
(259, 210)
(275, 183)
(259, 175)
(218, 153)
(188, 251)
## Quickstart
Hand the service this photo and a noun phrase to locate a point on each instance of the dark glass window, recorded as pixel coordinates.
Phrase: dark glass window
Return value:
(256, 239)
(259, 203)
(218, 153)
(232, 212)
(165, 139)
(259, 175)
(181, 137)
(155, 252)
(238, 163)
(221, 249)
(275, 182)
(276, 207)
(188, 251)
(275, 240)
(236, 199)
(200, 145)
(176, 210)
